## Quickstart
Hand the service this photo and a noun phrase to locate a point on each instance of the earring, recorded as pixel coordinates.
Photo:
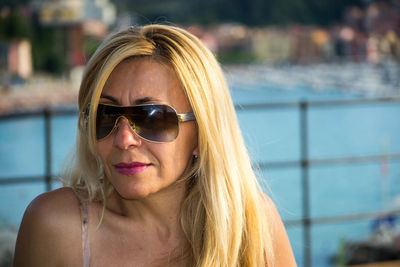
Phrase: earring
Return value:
(195, 157)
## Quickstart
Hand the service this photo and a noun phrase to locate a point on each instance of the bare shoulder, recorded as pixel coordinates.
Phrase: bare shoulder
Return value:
(50, 230)
(273, 214)
(283, 251)
(53, 209)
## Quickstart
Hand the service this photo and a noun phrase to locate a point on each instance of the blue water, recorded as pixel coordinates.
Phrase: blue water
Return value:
(271, 136)
(343, 131)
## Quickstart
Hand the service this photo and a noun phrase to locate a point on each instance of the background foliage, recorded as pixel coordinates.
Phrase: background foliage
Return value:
(252, 13)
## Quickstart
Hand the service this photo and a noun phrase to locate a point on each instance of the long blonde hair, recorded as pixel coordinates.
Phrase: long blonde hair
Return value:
(223, 216)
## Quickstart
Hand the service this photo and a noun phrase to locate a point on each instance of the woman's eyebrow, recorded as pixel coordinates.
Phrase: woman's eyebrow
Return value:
(112, 99)
(140, 101)
(145, 100)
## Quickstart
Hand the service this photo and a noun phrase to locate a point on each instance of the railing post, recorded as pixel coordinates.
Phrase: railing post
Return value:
(305, 183)
(47, 136)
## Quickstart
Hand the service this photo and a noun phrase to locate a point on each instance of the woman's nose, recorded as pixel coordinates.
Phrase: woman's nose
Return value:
(125, 137)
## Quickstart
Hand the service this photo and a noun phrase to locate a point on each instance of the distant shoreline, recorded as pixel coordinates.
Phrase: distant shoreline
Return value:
(38, 93)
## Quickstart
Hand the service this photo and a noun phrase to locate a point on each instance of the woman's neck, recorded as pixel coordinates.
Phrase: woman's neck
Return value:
(159, 211)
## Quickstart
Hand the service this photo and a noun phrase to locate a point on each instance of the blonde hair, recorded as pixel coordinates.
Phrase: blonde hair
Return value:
(224, 215)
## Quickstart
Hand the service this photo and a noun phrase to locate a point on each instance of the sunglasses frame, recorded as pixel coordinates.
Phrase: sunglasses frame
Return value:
(182, 117)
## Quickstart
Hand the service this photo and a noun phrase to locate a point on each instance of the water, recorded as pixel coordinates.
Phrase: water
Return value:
(341, 189)
(271, 136)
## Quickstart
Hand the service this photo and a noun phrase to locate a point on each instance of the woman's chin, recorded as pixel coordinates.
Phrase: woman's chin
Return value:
(133, 193)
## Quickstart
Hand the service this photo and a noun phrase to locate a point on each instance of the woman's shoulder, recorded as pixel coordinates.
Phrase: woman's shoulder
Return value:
(273, 215)
(60, 205)
(283, 250)
(51, 224)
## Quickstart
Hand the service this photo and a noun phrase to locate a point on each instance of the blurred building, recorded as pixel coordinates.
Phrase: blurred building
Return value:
(302, 44)
(381, 17)
(208, 38)
(271, 45)
(232, 39)
(15, 46)
(78, 19)
(19, 58)
(67, 12)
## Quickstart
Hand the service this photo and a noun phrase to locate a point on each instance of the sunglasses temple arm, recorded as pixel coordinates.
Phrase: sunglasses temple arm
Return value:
(186, 117)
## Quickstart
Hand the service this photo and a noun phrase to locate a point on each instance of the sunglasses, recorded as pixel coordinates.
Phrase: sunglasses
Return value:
(154, 123)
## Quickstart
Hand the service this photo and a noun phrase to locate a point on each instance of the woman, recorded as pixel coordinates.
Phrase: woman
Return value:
(161, 175)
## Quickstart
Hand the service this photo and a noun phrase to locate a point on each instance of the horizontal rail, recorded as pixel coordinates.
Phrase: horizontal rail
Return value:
(262, 165)
(319, 103)
(21, 180)
(288, 222)
(342, 218)
(73, 110)
(328, 161)
(22, 114)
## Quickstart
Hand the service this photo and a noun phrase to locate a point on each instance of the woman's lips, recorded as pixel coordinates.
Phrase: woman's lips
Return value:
(130, 168)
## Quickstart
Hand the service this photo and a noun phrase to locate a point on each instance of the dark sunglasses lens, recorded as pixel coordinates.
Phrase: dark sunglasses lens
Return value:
(158, 123)
(105, 120)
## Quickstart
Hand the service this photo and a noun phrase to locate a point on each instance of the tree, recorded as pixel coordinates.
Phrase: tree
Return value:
(249, 12)
(15, 26)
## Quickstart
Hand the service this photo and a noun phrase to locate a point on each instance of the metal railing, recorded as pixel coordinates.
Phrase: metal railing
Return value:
(304, 162)
(46, 114)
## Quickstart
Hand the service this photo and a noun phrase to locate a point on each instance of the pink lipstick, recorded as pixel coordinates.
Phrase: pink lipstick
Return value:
(130, 168)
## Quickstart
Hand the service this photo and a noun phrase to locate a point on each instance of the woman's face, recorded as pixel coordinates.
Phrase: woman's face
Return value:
(152, 167)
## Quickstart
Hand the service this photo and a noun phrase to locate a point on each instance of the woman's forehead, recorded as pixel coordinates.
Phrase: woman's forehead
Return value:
(143, 78)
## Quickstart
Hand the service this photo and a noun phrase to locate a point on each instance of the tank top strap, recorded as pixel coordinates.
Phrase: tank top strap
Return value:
(83, 206)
